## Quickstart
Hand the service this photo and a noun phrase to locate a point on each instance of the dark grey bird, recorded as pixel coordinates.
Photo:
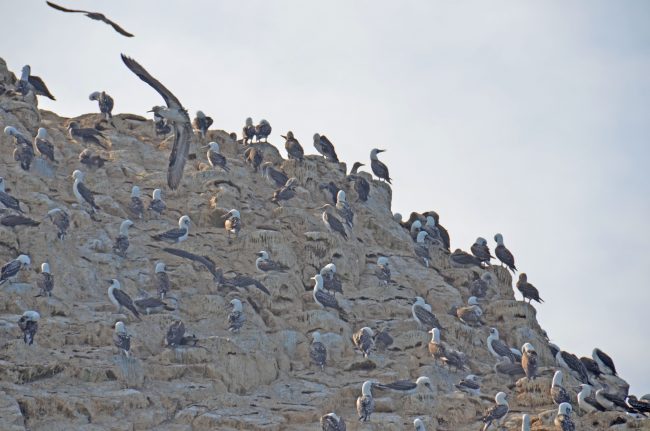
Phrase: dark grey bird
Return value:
(422, 314)
(421, 384)
(481, 250)
(480, 285)
(571, 362)
(175, 333)
(325, 148)
(323, 298)
(241, 280)
(89, 159)
(605, 363)
(286, 192)
(84, 195)
(344, 209)
(503, 254)
(378, 168)
(365, 403)
(470, 314)
(254, 157)
(13, 220)
(470, 385)
(177, 115)
(136, 206)
(587, 401)
(613, 401)
(93, 15)
(121, 339)
(421, 248)
(43, 145)
(161, 280)
(202, 123)
(264, 264)
(215, 158)
(162, 127)
(61, 220)
(121, 299)
(121, 244)
(332, 422)
(157, 205)
(205, 261)
(443, 231)
(383, 272)
(31, 82)
(86, 135)
(7, 200)
(332, 223)
(293, 147)
(383, 340)
(318, 351)
(331, 280)
(529, 361)
(275, 176)
(105, 103)
(642, 405)
(45, 282)
(563, 421)
(558, 393)
(364, 340)
(507, 367)
(176, 235)
(361, 185)
(236, 318)
(11, 269)
(248, 132)
(528, 291)
(445, 354)
(28, 323)
(263, 130)
(591, 366)
(498, 348)
(497, 412)
(150, 304)
(24, 151)
(461, 259)
(331, 188)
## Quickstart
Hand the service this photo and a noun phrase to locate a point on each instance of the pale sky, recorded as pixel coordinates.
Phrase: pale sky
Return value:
(527, 118)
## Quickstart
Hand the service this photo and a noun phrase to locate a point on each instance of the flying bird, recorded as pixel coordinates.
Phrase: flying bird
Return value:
(92, 15)
(105, 103)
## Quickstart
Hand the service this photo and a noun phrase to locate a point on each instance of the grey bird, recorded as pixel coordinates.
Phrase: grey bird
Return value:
(86, 135)
(93, 15)
(470, 384)
(497, 412)
(558, 393)
(176, 235)
(157, 205)
(11, 269)
(83, 194)
(202, 123)
(263, 130)
(344, 209)
(503, 254)
(121, 299)
(215, 158)
(264, 264)
(105, 103)
(422, 314)
(236, 318)
(161, 280)
(248, 132)
(325, 148)
(232, 222)
(331, 280)
(121, 339)
(43, 145)
(150, 304)
(361, 185)
(286, 192)
(175, 334)
(28, 323)
(45, 282)
(61, 220)
(563, 421)
(14, 220)
(365, 403)
(89, 159)
(318, 351)
(332, 223)
(605, 363)
(275, 176)
(293, 147)
(364, 340)
(254, 157)
(378, 168)
(481, 250)
(528, 291)
(461, 259)
(7, 200)
(332, 422)
(331, 188)
(29, 82)
(529, 361)
(24, 150)
(121, 244)
(136, 206)
(571, 362)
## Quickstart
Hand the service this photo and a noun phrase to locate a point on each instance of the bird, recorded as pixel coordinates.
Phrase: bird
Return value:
(571, 362)
(157, 205)
(236, 318)
(611, 401)
(136, 206)
(161, 280)
(529, 361)
(10, 270)
(422, 314)
(408, 386)
(378, 168)
(86, 135)
(421, 248)
(175, 333)
(558, 393)
(498, 348)
(121, 243)
(365, 403)
(418, 425)
(28, 323)
(148, 304)
(605, 363)
(586, 401)
(470, 314)
(7, 200)
(177, 115)
(43, 145)
(434, 234)
(264, 264)
(248, 132)
(497, 412)
(364, 340)
(509, 368)
(91, 160)
(503, 254)
(563, 421)
(443, 232)
(232, 224)
(641, 405)
(121, 339)
(383, 270)
(262, 130)
(84, 196)
(46, 281)
(215, 158)
(317, 350)
(275, 176)
(361, 185)
(121, 299)
(344, 209)
(325, 147)
(480, 285)
(332, 188)
(254, 157)
(202, 123)
(481, 250)
(528, 291)
(461, 259)
(293, 147)
(177, 235)
(470, 384)
(332, 422)
(13, 220)
(61, 220)
(331, 280)
(105, 103)
(24, 151)
(162, 127)
(441, 352)
(415, 229)
(286, 192)
(332, 223)
(322, 298)
(29, 82)
(93, 15)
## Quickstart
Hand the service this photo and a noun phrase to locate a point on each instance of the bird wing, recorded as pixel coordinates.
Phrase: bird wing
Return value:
(240, 280)
(61, 8)
(17, 220)
(269, 265)
(46, 148)
(10, 201)
(399, 385)
(171, 234)
(605, 358)
(318, 352)
(495, 412)
(122, 341)
(203, 260)
(328, 148)
(10, 269)
(113, 24)
(469, 384)
(125, 300)
(175, 333)
(87, 195)
(502, 349)
(427, 318)
(336, 225)
(178, 156)
(326, 299)
(576, 365)
(170, 99)
(149, 302)
(590, 365)
(40, 86)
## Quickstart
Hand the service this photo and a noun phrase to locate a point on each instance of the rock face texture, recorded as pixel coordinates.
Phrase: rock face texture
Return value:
(262, 377)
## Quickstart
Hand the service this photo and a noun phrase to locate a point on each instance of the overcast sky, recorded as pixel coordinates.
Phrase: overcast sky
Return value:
(527, 118)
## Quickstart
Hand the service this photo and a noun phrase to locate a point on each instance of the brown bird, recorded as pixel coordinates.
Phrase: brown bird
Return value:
(529, 361)
(92, 15)
(529, 291)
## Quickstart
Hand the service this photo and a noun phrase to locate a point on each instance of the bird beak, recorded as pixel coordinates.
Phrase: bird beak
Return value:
(380, 151)
(283, 136)
(109, 281)
(205, 146)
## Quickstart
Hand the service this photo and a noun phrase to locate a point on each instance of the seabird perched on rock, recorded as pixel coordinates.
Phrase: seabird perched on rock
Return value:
(121, 339)
(497, 412)
(563, 421)
(293, 147)
(43, 145)
(19, 138)
(121, 299)
(32, 82)
(61, 220)
(331, 280)
(586, 400)
(415, 229)
(175, 334)
(573, 364)
(215, 158)
(121, 244)
(383, 269)
(264, 264)
(641, 405)
(528, 291)
(161, 280)
(24, 151)
(161, 126)
(431, 228)
(236, 318)
(443, 232)
(421, 248)
(248, 132)
(28, 323)
(325, 147)
(232, 223)
(507, 367)
(157, 205)
(317, 350)
(84, 196)
(11, 269)
(331, 188)
(558, 393)
(503, 254)
(105, 102)
(591, 366)
(254, 157)
(136, 206)
(332, 223)
(177, 115)
(286, 192)
(479, 287)
(6, 199)
(322, 298)
(89, 159)
(461, 259)
(176, 235)
(421, 384)
(365, 403)
(418, 425)
(364, 340)
(529, 361)
(202, 123)
(46, 281)
(378, 168)
(481, 250)
(344, 208)
(150, 304)
(470, 384)
(13, 220)
(275, 176)
(86, 135)
(331, 422)
(422, 314)
(263, 130)
(93, 15)
(361, 185)
(613, 402)
(498, 348)
(441, 352)
(605, 363)
(470, 314)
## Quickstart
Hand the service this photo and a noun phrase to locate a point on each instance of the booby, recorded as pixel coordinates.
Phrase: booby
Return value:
(157, 205)
(605, 363)
(161, 280)
(236, 318)
(461, 259)
(175, 334)
(497, 412)
(43, 145)
(470, 384)
(61, 220)
(24, 151)
(264, 264)
(383, 340)
(397, 217)
(479, 287)
(232, 223)
(162, 127)
(105, 102)
(263, 130)
(19, 138)
(418, 425)
(136, 206)
(32, 82)
(332, 188)
(121, 244)
(641, 405)
(332, 223)
(93, 15)
(481, 250)
(84, 196)
(85, 135)
(529, 361)
(322, 298)
(344, 209)
(415, 229)
(527, 290)
(573, 364)
(149, 304)
(586, 401)
(28, 323)
(254, 157)
(383, 269)
(275, 176)
(286, 192)
(175, 113)
(470, 314)
(591, 366)
(332, 422)
(614, 402)
(440, 351)
(498, 348)
(503, 254)
(46, 281)
(248, 132)
(202, 123)
(365, 403)
(507, 367)
(525, 422)
(434, 233)
(325, 147)
(331, 280)
(558, 393)
(91, 160)
(364, 340)
(121, 299)
(13, 220)
(293, 147)
(361, 185)
(317, 350)
(443, 232)
(176, 235)
(215, 158)
(563, 421)
(421, 249)
(11, 269)
(121, 339)
(421, 384)
(378, 168)
(6, 199)
(422, 314)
